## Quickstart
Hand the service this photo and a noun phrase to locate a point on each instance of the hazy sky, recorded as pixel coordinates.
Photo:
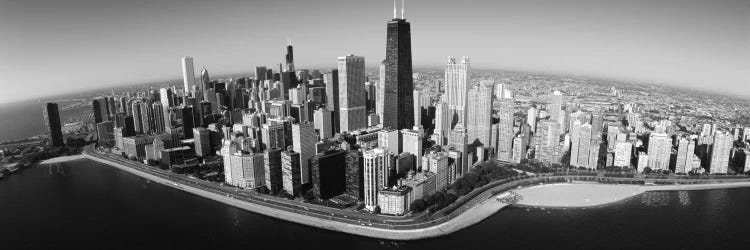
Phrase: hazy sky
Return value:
(55, 46)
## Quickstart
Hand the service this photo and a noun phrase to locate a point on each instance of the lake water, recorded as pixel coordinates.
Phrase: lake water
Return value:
(88, 205)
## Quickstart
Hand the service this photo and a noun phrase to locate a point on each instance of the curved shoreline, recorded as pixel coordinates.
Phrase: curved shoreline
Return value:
(472, 215)
(478, 213)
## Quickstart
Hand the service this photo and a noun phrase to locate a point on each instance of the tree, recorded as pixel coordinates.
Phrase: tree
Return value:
(263, 190)
(376, 210)
(309, 196)
(418, 205)
(124, 155)
(647, 170)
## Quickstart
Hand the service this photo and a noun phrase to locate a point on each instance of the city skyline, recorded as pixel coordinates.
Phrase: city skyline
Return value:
(568, 40)
(349, 151)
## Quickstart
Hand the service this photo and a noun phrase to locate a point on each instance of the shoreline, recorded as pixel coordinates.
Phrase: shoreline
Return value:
(478, 213)
(475, 214)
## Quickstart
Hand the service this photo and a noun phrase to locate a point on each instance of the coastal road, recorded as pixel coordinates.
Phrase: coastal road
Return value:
(322, 212)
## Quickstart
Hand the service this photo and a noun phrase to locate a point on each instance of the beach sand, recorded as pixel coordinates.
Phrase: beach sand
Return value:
(587, 194)
(60, 159)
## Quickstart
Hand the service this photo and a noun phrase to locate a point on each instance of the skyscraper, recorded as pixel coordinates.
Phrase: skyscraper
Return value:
(158, 117)
(398, 72)
(290, 58)
(147, 118)
(531, 118)
(188, 73)
(375, 162)
(479, 114)
(412, 143)
(304, 140)
(52, 120)
(290, 172)
(272, 170)
(332, 96)
(100, 110)
(329, 173)
(555, 106)
(685, 152)
(659, 149)
(137, 117)
(324, 123)
(720, 153)
(351, 71)
(505, 132)
(204, 81)
(442, 123)
(457, 84)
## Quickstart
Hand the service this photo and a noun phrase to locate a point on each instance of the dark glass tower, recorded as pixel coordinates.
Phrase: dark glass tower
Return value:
(398, 73)
(52, 118)
(289, 58)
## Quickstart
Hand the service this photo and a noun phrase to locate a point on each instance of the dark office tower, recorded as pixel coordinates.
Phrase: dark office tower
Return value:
(288, 81)
(120, 119)
(289, 58)
(332, 96)
(272, 165)
(204, 82)
(129, 128)
(187, 122)
(260, 74)
(329, 174)
(398, 71)
(221, 99)
(52, 120)
(204, 110)
(269, 74)
(97, 108)
(237, 99)
(370, 89)
(158, 117)
(355, 174)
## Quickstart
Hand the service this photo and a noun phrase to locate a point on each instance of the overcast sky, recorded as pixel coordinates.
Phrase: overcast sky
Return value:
(54, 46)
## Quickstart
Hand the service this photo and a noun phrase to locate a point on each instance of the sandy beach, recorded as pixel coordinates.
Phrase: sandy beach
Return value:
(62, 159)
(585, 194)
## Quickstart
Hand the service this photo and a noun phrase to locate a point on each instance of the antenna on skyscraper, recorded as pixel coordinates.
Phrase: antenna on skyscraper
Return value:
(402, 8)
(394, 9)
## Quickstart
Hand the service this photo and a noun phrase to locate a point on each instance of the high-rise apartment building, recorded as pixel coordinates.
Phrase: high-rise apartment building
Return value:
(720, 153)
(659, 150)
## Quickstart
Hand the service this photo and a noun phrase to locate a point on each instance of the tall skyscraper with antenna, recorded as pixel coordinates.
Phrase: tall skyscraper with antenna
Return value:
(289, 57)
(398, 72)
